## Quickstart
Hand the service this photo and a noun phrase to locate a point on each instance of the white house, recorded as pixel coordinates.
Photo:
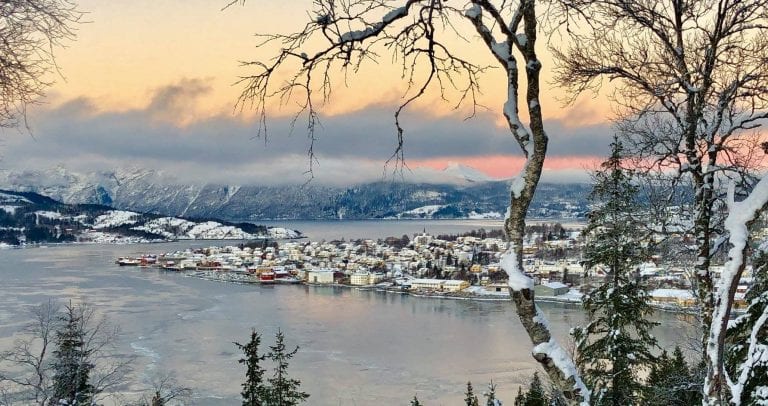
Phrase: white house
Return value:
(320, 276)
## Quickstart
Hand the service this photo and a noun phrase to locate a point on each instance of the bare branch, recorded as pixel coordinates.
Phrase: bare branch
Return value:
(691, 82)
(417, 35)
(30, 31)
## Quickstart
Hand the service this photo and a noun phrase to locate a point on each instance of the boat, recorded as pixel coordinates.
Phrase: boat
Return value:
(283, 276)
(125, 261)
(148, 261)
(171, 266)
(267, 277)
(288, 281)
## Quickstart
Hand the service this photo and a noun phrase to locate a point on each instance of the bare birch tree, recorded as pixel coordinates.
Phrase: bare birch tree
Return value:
(420, 35)
(30, 31)
(165, 391)
(691, 87)
(27, 370)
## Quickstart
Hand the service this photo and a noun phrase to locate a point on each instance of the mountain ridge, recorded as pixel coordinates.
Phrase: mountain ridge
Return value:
(28, 217)
(148, 191)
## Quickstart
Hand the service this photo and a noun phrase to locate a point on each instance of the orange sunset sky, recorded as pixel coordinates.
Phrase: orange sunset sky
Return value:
(152, 84)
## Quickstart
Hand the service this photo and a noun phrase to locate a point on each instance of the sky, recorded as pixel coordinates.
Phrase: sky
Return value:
(153, 84)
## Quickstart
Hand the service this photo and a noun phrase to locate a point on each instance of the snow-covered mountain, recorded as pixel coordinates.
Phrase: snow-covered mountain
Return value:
(29, 217)
(466, 173)
(470, 193)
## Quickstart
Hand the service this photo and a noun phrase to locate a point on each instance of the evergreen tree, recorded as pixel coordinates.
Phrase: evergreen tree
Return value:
(470, 399)
(616, 344)
(282, 390)
(490, 396)
(71, 363)
(520, 398)
(253, 387)
(747, 340)
(415, 401)
(671, 382)
(535, 396)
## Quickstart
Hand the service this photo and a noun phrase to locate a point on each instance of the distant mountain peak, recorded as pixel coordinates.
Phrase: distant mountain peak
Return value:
(456, 191)
(466, 173)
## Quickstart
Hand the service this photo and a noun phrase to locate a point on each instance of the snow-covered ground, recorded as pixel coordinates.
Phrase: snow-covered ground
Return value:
(99, 229)
(100, 237)
(175, 228)
(480, 290)
(8, 198)
(491, 215)
(211, 230)
(573, 296)
(281, 233)
(426, 195)
(53, 215)
(8, 208)
(681, 294)
(423, 211)
(115, 218)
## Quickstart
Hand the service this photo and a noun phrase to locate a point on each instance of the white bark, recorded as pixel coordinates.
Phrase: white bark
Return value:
(741, 215)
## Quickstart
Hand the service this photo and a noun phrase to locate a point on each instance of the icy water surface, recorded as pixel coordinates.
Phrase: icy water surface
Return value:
(357, 347)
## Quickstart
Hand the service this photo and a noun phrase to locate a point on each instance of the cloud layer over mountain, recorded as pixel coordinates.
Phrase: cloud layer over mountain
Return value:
(169, 135)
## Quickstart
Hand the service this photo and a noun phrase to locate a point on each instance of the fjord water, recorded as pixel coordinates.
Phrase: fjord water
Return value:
(357, 347)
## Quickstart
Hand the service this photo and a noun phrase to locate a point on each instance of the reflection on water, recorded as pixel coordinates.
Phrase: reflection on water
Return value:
(357, 347)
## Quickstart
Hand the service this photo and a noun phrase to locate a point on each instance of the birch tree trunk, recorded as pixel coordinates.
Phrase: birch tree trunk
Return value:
(740, 216)
(346, 35)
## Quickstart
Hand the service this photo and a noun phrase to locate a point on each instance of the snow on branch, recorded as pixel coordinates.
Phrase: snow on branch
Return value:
(517, 279)
(553, 351)
(740, 216)
(420, 36)
(547, 351)
(757, 354)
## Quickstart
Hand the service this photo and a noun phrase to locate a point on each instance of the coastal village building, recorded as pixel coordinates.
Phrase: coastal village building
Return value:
(497, 287)
(674, 297)
(551, 289)
(365, 278)
(439, 285)
(454, 285)
(320, 276)
(359, 278)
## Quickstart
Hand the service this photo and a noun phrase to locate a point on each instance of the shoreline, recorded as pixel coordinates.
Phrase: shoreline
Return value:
(144, 242)
(570, 301)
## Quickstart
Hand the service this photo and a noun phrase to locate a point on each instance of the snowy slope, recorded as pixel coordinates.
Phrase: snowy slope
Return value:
(459, 188)
(39, 219)
(422, 212)
(466, 173)
(115, 218)
(175, 228)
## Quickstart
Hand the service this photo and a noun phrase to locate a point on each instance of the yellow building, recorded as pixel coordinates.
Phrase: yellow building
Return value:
(360, 278)
(678, 297)
(439, 285)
